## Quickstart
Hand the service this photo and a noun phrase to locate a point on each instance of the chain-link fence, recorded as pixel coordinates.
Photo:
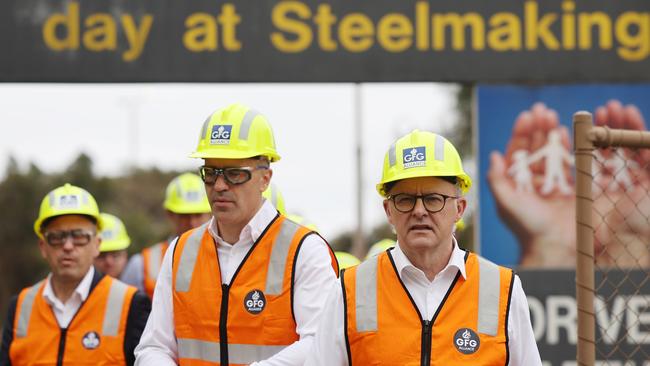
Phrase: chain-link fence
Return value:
(613, 243)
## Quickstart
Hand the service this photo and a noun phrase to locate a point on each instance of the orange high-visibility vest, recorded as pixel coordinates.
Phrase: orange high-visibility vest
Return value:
(95, 335)
(384, 326)
(152, 258)
(249, 320)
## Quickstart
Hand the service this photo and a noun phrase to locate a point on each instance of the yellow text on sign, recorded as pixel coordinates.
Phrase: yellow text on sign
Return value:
(65, 31)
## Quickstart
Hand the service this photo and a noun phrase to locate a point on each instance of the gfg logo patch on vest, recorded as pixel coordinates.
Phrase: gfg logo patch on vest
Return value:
(90, 340)
(254, 302)
(413, 157)
(466, 341)
(220, 134)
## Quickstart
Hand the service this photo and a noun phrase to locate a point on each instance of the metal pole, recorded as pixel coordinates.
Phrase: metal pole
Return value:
(131, 106)
(585, 294)
(358, 246)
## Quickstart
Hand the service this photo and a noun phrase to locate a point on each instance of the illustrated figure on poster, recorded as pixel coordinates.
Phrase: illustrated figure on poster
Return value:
(555, 154)
(616, 168)
(619, 165)
(520, 171)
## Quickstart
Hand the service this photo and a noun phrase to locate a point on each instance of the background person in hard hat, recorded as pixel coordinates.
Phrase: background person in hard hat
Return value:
(112, 257)
(273, 194)
(76, 315)
(256, 298)
(346, 260)
(187, 207)
(437, 301)
(380, 246)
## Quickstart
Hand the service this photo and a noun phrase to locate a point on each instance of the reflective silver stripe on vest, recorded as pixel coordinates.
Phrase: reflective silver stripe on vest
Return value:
(114, 308)
(188, 259)
(198, 350)
(366, 295)
(488, 297)
(155, 256)
(439, 149)
(391, 155)
(278, 260)
(26, 310)
(237, 353)
(246, 123)
(249, 353)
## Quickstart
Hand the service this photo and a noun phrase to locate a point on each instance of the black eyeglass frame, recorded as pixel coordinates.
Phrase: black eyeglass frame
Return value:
(69, 235)
(420, 197)
(223, 171)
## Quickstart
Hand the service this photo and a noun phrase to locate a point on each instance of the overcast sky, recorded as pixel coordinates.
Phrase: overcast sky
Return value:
(120, 125)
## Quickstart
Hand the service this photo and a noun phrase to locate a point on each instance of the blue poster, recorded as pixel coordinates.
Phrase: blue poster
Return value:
(533, 226)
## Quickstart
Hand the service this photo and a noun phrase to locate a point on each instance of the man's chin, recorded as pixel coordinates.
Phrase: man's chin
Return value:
(419, 240)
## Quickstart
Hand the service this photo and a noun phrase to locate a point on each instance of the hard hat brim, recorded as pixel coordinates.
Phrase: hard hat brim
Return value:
(229, 154)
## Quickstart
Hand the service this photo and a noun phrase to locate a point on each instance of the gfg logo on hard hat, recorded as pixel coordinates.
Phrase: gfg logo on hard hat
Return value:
(220, 134)
(415, 156)
(68, 202)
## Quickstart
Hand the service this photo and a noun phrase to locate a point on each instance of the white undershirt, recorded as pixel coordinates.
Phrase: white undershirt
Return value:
(329, 344)
(314, 278)
(65, 311)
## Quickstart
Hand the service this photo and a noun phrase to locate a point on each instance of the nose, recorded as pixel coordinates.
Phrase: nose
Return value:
(419, 210)
(220, 183)
(67, 243)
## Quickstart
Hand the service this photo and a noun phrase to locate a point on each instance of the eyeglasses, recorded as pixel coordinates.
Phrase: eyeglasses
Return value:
(57, 239)
(433, 202)
(232, 176)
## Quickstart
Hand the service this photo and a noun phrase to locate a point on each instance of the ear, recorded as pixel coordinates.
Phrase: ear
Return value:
(96, 244)
(41, 248)
(267, 174)
(461, 206)
(389, 215)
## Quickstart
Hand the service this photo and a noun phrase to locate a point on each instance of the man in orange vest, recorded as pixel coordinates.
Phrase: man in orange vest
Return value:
(425, 301)
(77, 315)
(248, 286)
(187, 207)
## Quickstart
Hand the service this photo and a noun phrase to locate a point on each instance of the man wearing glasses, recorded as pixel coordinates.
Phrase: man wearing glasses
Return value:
(248, 286)
(77, 315)
(425, 299)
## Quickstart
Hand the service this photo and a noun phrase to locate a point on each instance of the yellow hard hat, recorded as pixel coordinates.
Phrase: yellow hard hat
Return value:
(186, 195)
(380, 246)
(236, 132)
(67, 200)
(422, 154)
(114, 235)
(302, 221)
(346, 260)
(273, 194)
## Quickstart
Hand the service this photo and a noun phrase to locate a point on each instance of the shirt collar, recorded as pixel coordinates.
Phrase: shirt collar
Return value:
(457, 259)
(82, 290)
(253, 229)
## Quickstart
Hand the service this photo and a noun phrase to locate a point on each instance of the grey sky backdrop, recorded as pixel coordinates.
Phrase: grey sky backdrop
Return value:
(120, 125)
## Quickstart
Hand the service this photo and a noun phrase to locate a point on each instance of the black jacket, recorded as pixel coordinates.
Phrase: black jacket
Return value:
(135, 322)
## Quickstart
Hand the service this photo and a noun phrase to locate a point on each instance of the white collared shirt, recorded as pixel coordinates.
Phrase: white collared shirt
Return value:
(65, 311)
(329, 344)
(314, 278)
